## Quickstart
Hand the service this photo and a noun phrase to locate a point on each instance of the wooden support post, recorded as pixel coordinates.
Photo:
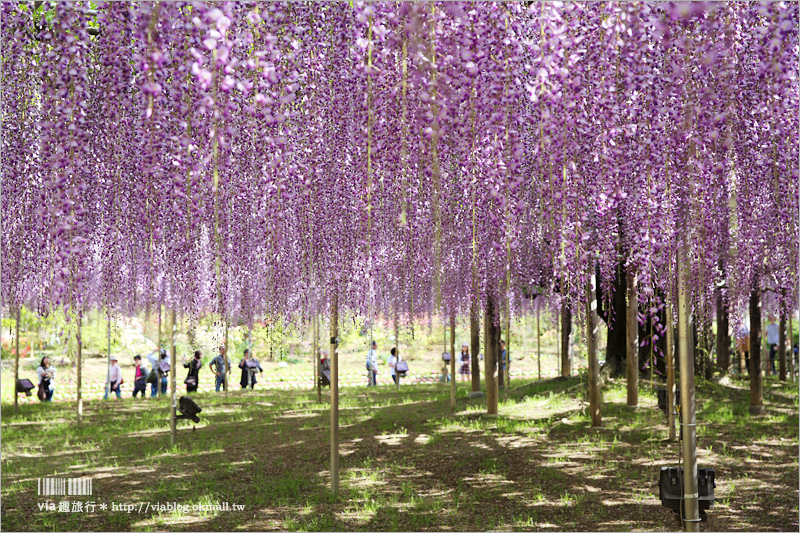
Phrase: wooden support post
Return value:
(791, 347)
(452, 360)
(490, 364)
(507, 362)
(316, 355)
(173, 405)
(756, 382)
(595, 395)
(335, 394)
(396, 348)
(670, 357)
(691, 515)
(782, 345)
(16, 360)
(80, 364)
(227, 360)
(475, 345)
(538, 345)
(108, 356)
(632, 328)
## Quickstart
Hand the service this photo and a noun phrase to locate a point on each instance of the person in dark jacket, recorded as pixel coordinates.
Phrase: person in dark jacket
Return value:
(193, 377)
(249, 367)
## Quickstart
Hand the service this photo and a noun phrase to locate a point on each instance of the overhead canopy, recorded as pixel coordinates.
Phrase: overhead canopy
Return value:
(247, 158)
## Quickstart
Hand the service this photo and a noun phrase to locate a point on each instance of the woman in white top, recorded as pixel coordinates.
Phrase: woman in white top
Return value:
(114, 378)
(391, 361)
(47, 374)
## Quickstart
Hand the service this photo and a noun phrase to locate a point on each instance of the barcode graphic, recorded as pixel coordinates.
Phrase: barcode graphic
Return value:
(59, 486)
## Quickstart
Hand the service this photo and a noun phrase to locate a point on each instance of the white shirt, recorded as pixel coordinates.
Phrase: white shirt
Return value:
(114, 374)
(41, 372)
(391, 361)
(372, 357)
(773, 333)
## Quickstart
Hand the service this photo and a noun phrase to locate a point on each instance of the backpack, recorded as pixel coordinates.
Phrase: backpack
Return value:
(163, 367)
(152, 377)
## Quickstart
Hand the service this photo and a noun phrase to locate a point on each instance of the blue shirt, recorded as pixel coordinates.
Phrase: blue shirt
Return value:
(219, 362)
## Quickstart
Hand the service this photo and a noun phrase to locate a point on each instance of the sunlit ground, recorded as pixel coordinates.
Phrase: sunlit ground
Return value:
(408, 462)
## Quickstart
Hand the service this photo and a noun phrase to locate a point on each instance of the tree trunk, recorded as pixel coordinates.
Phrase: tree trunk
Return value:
(335, 394)
(490, 364)
(756, 382)
(453, 360)
(670, 357)
(475, 346)
(723, 336)
(80, 364)
(173, 424)
(16, 361)
(782, 346)
(616, 320)
(688, 431)
(595, 395)
(566, 333)
(632, 331)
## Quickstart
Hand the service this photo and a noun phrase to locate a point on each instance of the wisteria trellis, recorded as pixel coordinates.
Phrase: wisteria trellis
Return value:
(246, 157)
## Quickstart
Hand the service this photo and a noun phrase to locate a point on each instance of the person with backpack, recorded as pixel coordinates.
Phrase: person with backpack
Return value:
(218, 367)
(139, 377)
(372, 365)
(114, 380)
(193, 377)
(156, 374)
(47, 374)
(391, 362)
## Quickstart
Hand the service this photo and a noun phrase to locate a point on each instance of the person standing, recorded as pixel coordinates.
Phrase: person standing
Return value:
(773, 338)
(139, 377)
(217, 366)
(465, 360)
(391, 362)
(161, 368)
(114, 379)
(249, 367)
(372, 365)
(193, 377)
(47, 374)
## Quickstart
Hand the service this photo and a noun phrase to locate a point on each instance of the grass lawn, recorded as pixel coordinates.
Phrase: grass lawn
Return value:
(407, 461)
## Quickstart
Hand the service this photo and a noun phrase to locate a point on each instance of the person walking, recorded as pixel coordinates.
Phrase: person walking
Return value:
(47, 374)
(391, 362)
(372, 365)
(218, 367)
(114, 379)
(193, 377)
(139, 377)
(161, 368)
(773, 338)
(465, 360)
